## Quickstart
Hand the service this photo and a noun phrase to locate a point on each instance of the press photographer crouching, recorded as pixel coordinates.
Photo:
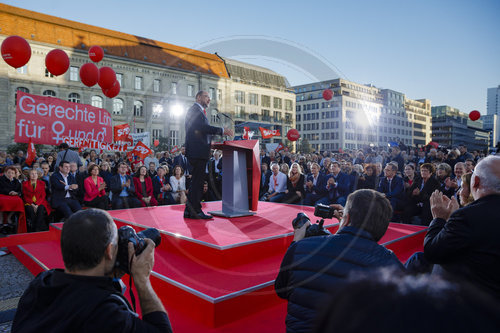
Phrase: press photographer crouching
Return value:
(86, 296)
(315, 266)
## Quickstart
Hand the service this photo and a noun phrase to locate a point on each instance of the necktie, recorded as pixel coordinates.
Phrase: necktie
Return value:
(205, 112)
(390, 181)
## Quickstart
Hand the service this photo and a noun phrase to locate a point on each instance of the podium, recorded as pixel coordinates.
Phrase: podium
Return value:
(240, 178)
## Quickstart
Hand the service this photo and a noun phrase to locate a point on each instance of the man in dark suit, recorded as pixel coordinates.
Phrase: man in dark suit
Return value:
(265, 175)
(64, 188)
(198, 134)
(182, 160)
(392, 186)
(123, 189)
(464, 242)
(315, 186)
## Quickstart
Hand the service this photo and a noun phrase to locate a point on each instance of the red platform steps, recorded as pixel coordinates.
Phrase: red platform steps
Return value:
(215, 275)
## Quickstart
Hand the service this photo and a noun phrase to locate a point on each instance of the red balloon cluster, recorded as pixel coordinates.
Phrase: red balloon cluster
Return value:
(474, 115)
(107, 77)
(16, 51)
(89, 74)
(113, 91)
(293, 135)
(327, 94)
(57, 62)
(96, 53)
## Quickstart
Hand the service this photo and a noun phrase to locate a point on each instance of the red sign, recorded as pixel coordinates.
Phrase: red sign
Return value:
(267, 133)
(122, 133)
(31, 155)
(280, 147)
(48, 120)
(141, 150)
(93, 144)
(174, 150)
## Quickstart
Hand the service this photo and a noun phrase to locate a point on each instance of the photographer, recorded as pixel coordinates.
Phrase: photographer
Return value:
(84, 297)
(315, 266)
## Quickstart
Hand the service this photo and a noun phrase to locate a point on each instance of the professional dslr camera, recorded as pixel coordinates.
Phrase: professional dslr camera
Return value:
(127, 234)
(316, 229)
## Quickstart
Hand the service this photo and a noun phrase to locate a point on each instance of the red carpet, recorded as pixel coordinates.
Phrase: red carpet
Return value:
(216, 275)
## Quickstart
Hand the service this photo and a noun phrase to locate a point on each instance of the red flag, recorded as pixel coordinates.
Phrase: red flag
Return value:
(268, 133)
(174, 150)
(245, 133)
(31, 155)
(122, 133)
(130, 156)
(141, 150)
(280, 147)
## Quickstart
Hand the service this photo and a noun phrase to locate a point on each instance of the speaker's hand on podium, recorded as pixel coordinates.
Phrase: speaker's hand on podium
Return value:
(228, 132)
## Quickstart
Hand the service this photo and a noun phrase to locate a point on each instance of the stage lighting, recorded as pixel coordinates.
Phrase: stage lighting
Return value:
(176, 110)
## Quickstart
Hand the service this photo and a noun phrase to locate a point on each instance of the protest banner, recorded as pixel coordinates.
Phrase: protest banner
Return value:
(93, 144)
(268, 133)
(122, 133)
(143, 137)
(47, 120)
(141, 150)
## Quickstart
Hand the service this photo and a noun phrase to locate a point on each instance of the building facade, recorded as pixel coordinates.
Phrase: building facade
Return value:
(492, 118)
(360, 115)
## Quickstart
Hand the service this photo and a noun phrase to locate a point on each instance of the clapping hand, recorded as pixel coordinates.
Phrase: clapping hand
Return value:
(442, 206)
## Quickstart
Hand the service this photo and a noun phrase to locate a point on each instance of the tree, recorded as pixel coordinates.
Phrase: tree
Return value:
(304, 147)
(163, 146)
(15, 147)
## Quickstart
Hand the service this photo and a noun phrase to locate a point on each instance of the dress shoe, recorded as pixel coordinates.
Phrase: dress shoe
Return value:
(204, 216)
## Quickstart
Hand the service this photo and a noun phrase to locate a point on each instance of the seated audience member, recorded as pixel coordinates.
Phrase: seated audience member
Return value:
(392, 186)
(410, 176)
(443, 176)
(144, 187)
(123, 189)
(368, 180)
(46, 176)
(277, 185)
(420, 193)
(464, 194)
(315, 186)
(35, 204)
(295, 192)
(459, 171)
(352, 175)
(389, 297)
(178, 184)
(95, 189)
(284, 168)
(86, 296)
(64, 189)
(152, 170)
(265, 174)
(161, 187)
(207, 194)
(338, 186)
(10, 191)
(315, 266)
(469, 165)
(105, 173)
(464, 242)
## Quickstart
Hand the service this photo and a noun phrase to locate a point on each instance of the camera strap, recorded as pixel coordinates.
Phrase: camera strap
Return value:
(130, 291)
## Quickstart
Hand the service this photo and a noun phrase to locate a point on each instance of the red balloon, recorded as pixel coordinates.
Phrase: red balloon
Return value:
(113, 91)
(327, 94)
(293, 135)
(156, 143)
(107, 77)
(474, 115)
(89, 74)
(96, 53)
(16, 51)
(57, 62)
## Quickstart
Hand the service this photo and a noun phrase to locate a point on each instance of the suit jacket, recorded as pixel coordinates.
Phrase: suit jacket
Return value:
(198, 133)
(395, 192)
(116, 185)
(92, 190)
(149, 190)
(466, 246)
(343, 187)
(320, 187)
(264, 184)
(158, 184)
(39, 193)
(58, 188)
(178, 160)
(430, 186)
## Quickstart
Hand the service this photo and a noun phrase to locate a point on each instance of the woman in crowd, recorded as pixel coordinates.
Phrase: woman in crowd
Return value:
(94, 186)
(52, 163)
(161, 187)
(295, 192)
(420, 193)
(144, 187)
(10, 196)
(178, 184)
(35, 203)
(284, 168)
(464, 193)
(368, 180)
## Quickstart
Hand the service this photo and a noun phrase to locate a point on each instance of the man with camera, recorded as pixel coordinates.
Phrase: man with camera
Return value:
(85, 296)
(313, 267)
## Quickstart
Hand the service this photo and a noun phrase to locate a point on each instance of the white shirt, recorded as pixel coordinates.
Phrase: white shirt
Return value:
(66, 186)
(281, 183)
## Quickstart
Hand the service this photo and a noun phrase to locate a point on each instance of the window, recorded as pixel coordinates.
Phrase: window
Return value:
(156, 85)
(174, 88)
(156, 134)
(288, 105)
(265, 101)
(73, 73)
(253, 99)
(214, 117)
(139, 130)
(96, 101)
(265, 115)
(48, 74)
(50, 93)
(138, 107)
(117, 106)
(190, 90)
(22, 70)
(23, 89)
(211, 93)
(239, 111)
(138, 83)
(157, 110)
(74, 97)
(239, 96)
(277, 103)
(219, 94)
(277, 116)
(119, 78)
(174, 138)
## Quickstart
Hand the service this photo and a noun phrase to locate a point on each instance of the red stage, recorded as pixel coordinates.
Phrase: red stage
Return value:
(215, 275)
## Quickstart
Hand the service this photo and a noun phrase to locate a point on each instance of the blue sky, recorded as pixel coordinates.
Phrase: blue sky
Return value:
(443, 50)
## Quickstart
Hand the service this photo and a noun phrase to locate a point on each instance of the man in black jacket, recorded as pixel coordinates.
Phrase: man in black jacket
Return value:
(84, 297)
(64, 191)
(198, 137)
(465, 242)
(123, 189)
(314, 267)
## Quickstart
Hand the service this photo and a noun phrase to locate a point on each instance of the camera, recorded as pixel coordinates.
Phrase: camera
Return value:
(315, 229)
(127, 234)
(324, 211)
